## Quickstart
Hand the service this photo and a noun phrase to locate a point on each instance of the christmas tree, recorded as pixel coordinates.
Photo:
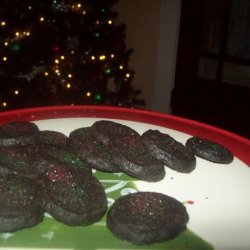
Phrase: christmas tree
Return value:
(63, 52)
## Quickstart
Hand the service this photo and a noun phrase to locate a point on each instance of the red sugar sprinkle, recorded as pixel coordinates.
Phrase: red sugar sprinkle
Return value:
(190, 202)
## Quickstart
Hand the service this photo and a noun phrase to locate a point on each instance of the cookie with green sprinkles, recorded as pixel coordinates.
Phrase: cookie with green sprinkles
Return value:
(147, 217)
(171, 152)
(67, 217)
(68, 192)
(18, 196)
(89, 149)
(209, 150)
(19, 133)
(24, 160)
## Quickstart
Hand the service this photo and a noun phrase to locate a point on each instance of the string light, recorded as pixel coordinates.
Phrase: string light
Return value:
(57, 71)
(68, 86)
(92, 58)
(112, 56)
(69, 75)
(102, 57)
(16, 92)
(127, 75)
(110, 22)
(88, 94)
(121, 67)
(41, 19)
(6, 44)
(84, 12)
(56, 61)
(17, 34)
(98, 97)
(5, 58)
(62, 57)
(46, 73)
(4, 104)
(3, 23)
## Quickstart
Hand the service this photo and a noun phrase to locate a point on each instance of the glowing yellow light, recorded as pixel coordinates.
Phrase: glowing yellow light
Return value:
(79, 5)
(127, 75)
(41, 19)
(84, 12)
(69, 75)
(121, 67)
(46, 73)
(5, 58)
(3, 23)
(68, 85)
(109, 21)
(57, 71)
(6, 44)
(27, 33)
(4, 104)
(102, 57)
(88, 94)
(112, 56)
(62, 57)
(56, 61)
(93, 58)
(16, 92)
(72, 52)
(17, 34)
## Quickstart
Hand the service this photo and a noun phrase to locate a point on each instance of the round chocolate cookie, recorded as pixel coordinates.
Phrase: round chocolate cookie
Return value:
(24, 160)
(69, 191)
(18, 195)
(171, 152)
(52, 138)
(19, 133)
(13, 223)
(86, 146)
(67, 217)
(147, 217)
(132, 155)
(209, 150)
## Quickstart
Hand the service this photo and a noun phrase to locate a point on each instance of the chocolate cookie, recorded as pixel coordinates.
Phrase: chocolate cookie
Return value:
(13, 223)
(171, 152)
(89, 149)
(70, 192)
(18, 196)
(24, 160)
(147, 217)
(133, 156)
(209, 150)
(52, 138)
(19, 133)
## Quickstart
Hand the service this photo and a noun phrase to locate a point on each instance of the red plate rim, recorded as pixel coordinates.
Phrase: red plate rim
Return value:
(240, 146)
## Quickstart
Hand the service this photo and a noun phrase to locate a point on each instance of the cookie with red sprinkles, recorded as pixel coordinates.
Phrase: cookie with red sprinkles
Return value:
(72, 196)
(18, 133)
(147, 217)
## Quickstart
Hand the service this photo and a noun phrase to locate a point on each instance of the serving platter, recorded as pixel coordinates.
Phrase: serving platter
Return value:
(216, 196)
